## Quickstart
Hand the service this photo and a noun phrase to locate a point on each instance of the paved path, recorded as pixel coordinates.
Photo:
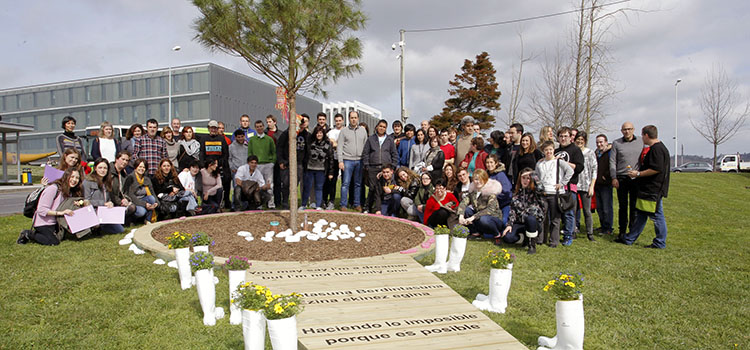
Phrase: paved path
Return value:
(12, 199)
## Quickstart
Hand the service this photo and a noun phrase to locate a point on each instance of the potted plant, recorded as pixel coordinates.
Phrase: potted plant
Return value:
(202, 263)
(281, 311)
(235, 266)
(180, 242)
(252, 298)
(458, 247)
(567, 289)
(201, 241)
(501, 272)
(441, 250)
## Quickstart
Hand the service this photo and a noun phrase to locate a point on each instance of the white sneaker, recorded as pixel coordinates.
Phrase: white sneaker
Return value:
(330, 206)
(318, 208)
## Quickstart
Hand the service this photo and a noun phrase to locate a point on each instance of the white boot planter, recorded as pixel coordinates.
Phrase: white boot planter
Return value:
(282, 321)
(568, 314)
(236, 268)
(202, 263)
(442, 234)
(251, 298)
(180, 242)
(501, 272)
(458, 247)
(201, 241)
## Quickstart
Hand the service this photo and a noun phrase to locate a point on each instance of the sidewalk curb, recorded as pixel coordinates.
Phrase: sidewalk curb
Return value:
(10, 189)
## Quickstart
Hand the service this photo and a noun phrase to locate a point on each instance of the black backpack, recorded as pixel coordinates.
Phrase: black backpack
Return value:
(32, 200)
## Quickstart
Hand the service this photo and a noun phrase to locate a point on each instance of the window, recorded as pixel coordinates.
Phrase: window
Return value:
(87, 91)
(70, 96)
(121, 89)
(120, 115)
(88, 117)
(175, 83)
(163, 111)
(148, 86)
(104, 92)
(36, 97)
(163, 81)
(52, 98)
(134, 88)
(190, 81)
(3, 103)
(190, 111)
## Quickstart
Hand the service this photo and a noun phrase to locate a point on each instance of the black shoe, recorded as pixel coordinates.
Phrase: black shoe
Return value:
(619, 240)
(591, 237)
(24, 238)
(652, 246)
(532, 247)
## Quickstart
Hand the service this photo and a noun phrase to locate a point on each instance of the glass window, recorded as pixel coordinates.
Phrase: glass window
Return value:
(148, 86)
(148, 112)
(104, 92)
(88, 117)
(163, 81)
(3, 102)
(70, 96)
(163, 111)
(87, 91)
(175, 83)
(121, 89)
(32, 144)
(138, 113)
(52, 98)
(36, 97)
(190, 110)
(190, 81)
(121, 115)
(134, 88)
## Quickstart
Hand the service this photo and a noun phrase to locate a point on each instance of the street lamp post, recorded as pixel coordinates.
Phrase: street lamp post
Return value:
(675, 121)
(169, 103)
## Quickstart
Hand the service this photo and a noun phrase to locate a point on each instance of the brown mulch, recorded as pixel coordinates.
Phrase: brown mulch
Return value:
(382, 236)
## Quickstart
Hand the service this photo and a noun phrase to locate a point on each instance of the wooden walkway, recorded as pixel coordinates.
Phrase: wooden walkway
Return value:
(383, 302)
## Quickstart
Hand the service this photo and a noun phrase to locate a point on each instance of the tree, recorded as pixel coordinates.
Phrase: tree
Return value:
(474, 92)
(719, 102)
(516, 93)
(299, 45)
(551, 100)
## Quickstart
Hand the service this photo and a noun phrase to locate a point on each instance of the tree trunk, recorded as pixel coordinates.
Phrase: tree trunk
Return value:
(713, 165)
(291, 96)
(577, 75)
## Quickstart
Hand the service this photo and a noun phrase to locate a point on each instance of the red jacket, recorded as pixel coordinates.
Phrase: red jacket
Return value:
(433, 205)
(479, 164)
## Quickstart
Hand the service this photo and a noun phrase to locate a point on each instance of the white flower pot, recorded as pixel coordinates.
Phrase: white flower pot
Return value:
(236, 277)
(458, 248)
(254, 329)
(441, 255)
(200, 248)
(497, 300)
(204, 282)
(570, 327)
(182, 255)
(283, 333)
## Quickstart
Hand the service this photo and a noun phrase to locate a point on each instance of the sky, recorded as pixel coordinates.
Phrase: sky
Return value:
(52, 41)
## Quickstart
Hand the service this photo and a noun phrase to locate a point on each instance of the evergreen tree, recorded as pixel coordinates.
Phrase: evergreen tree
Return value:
(473, 92)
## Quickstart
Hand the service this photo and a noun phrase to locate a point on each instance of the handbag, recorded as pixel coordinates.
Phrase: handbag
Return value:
(646, 205)
(565, 201)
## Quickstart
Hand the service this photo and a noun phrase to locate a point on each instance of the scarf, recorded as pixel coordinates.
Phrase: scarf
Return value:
(140, 182)
(431, 154)
(191, 147)
(70, 135)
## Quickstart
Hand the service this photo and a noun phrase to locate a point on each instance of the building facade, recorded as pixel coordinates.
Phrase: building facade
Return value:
(198, 93)
(367, 114)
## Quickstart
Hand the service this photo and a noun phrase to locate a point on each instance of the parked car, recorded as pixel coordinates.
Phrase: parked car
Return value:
(693, 167)
(733, 163)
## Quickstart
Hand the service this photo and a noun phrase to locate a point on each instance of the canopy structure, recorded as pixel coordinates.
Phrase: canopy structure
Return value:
(6, 128)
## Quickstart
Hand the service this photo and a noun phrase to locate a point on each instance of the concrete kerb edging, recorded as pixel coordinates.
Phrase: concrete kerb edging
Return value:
(142, 237)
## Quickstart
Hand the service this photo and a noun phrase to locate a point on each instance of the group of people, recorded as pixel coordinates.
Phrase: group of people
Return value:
(508, 188)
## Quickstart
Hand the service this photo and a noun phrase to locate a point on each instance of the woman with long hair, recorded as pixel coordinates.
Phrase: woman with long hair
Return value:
(526, 212)
(450, 176)
(46, 230)
(169, 191)
(97, 189)
(105, 145)
(497, 145)
(528, 154)
(496, 171)
(479, 210)
(320, 166)
(548, 134)
(418, 151)
(69, 159)
(408, 185)
(416, 209)
(135, 131)
(212, 188)
(173, 147)
(434, 159)
(140, 190)
(475, 158)
(189, 149)
(586, 181)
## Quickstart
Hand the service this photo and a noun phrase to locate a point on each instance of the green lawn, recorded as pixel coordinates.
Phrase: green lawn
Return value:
(95, 294)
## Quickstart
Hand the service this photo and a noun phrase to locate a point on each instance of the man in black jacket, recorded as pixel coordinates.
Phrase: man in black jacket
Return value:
(214, 146)
(570, 153)
(379, 150)
(603, 185)
(282, 157)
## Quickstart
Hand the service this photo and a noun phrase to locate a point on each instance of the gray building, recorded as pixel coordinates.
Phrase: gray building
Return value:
(199, 93)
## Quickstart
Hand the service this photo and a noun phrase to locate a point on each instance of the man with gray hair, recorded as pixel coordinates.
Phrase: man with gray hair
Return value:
(463, 142)
(351, 143)
(622, 158)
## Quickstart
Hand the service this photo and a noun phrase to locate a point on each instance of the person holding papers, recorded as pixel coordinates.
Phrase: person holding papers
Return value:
(168, 189)
(46, 229)
(139, 189)
(97, 189)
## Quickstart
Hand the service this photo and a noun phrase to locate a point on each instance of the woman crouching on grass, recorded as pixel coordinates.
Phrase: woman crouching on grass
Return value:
(140, 190)
(526, 212)
(97, 189)
(479, 209)
(441, 207)
(46, 229)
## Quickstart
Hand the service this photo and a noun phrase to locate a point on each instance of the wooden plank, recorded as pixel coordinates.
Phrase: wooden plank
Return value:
(383, 302)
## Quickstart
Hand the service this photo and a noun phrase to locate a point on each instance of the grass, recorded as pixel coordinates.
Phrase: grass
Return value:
(94, 294)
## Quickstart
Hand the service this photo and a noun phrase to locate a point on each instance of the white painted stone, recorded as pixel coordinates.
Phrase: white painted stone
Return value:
(172, 264)
(322, 222)
(358, 239)
(333, 238)
(138, 251)
(335, 233)
(159, 262)
(358, 228)
(125, 241)
(130, 235)
(302, 233)
(292, 239)
(270, 233)
(132, 247)
(362, 234)
(266, 239)
(244, 234)
(313, 237)
(332, 224)
(249, 238)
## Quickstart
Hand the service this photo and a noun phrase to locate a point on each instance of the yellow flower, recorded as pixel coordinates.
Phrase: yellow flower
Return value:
(551, 283)
(546, 288)
(291, 303)
(278, 309)
(570, 284)
(494, 261)
(507, 256)
(564, 277)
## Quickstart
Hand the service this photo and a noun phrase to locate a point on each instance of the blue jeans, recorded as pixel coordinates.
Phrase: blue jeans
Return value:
(111, 228)
(190, 199)
(660, 226)
(142, 212)
(530, 225)
(604, 208)
(352, 171)
(390, 206)
(313, 176)
(569, 223)
(487, 225)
